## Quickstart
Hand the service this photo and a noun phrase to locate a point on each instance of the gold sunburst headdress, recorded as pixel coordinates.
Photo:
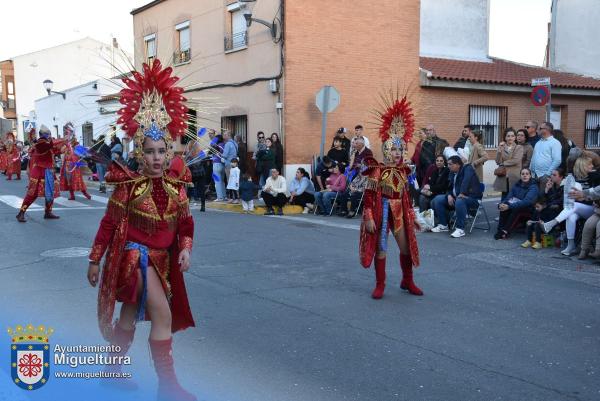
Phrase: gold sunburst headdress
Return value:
(396, 122)
(152, 106)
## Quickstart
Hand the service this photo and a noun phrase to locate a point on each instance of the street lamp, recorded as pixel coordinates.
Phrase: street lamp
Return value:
(246, 6)
(48, 86)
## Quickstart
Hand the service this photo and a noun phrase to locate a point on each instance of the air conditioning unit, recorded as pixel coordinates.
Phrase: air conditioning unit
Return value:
(273, 87)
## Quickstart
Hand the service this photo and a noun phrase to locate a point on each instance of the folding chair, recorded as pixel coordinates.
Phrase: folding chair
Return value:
(332, 204)
(474, 213)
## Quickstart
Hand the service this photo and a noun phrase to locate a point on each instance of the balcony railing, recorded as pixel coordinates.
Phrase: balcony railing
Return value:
(236, 40)
(182, 56)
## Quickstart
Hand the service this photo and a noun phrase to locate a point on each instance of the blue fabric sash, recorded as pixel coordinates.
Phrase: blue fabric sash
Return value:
(385, 204)
(141, 312)
(48, 185)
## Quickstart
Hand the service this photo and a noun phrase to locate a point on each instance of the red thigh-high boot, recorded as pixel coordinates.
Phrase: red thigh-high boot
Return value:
(123, 339)
(48, 212)
(169, 388)
(379, 277)
(88, 196)
(72, 196)
(407, 276)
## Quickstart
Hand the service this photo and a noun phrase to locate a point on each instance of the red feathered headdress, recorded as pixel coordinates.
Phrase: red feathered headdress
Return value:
(152, 104)
(397, 119)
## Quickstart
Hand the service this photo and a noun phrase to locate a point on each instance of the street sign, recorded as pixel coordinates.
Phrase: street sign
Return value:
(540, 95)
(328, 99)
(545, 81)
(28, 125)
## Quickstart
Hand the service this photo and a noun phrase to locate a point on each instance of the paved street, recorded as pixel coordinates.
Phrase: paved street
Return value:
(284, 312)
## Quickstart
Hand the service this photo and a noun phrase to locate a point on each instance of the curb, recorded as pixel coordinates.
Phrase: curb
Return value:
(258, 210)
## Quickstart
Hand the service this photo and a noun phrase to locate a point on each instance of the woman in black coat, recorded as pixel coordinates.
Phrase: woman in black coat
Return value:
(435, 183)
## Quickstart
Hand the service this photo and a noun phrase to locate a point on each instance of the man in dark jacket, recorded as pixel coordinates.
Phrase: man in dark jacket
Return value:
(463, 195)
(464, 137)
(428, 150)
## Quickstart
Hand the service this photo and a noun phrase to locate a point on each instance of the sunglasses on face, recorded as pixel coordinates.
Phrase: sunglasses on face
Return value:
(261, 137)
(529, 126)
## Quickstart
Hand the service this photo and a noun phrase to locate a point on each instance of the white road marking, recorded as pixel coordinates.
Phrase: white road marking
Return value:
(326, 223)
(74, 252)
(16, 202)
(69, 203)
(96, 198)
(70, 208)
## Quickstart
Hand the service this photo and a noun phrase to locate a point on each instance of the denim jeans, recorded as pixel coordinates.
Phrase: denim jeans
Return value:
(461, 206)
(101, 170)
(218, 170)
(325, 200)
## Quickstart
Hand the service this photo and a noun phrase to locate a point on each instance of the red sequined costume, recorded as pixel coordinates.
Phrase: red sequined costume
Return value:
(13, 162)
(71, 178)
(387, 202)
(153, 212)
(12, 157)
(42, 179)
(147, 223)
(3, 157)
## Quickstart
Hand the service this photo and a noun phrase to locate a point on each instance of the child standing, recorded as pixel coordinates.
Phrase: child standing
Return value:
(534, 226)
(233, 184)
(247, 189)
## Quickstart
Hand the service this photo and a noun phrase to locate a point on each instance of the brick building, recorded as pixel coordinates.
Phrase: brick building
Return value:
(265, 79)
(495, 95)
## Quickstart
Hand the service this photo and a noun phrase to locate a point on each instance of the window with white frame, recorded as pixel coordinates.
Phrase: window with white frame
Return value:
(150, 47)
(491, 121)
(237, 38)
(592, 129)
(10, 91)
(183, 46)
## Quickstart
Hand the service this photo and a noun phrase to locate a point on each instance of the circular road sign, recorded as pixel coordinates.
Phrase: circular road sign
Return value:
(540, 95)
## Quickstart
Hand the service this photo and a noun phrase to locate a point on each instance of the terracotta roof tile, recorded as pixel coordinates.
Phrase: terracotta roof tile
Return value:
(503, 72)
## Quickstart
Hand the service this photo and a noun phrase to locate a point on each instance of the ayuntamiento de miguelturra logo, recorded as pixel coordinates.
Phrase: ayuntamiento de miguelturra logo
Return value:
(30, 356)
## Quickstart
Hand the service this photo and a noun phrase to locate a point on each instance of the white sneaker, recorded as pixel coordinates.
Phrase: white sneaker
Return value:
(305, 211)
(439, 229)
(458, 233)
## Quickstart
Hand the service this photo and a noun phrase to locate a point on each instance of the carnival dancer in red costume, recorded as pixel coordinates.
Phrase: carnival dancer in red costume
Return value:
(3, 154)
(387, 205)
(71, 178)
(13, 157)
(147, 229)
(42, 180)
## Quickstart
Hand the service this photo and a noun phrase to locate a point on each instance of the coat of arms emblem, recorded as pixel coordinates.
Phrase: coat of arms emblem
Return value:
(30, 356)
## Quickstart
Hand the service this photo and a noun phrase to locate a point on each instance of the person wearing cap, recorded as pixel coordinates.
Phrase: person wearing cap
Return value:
(341, 135)
(42, 179)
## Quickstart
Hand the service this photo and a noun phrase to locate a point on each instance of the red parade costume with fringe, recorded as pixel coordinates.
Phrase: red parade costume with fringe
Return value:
(42, 179)
(147, 222)
(386, 199)
(71, 178)
(12, 157)
(3, 157)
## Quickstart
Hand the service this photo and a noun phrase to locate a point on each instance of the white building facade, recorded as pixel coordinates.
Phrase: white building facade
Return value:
(573, 37)
(83, 107)
(455, 29)
(67, 65)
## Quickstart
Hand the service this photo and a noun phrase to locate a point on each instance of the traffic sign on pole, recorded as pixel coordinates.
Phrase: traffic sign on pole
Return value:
(540, 95)
(545, 81)
(327, 100)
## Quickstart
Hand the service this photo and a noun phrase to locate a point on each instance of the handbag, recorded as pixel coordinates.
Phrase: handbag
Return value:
(500, 171)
